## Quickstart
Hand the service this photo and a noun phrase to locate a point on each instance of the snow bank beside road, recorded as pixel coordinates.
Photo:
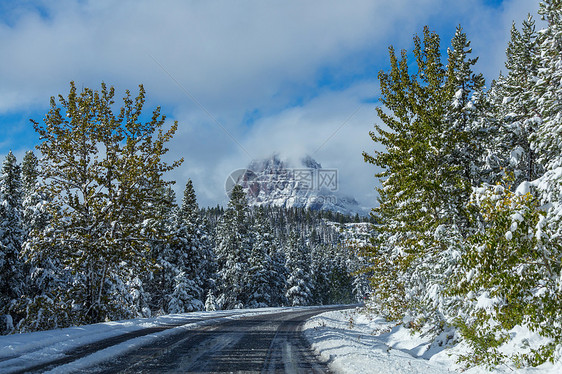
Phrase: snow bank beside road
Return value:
(357, 343)
(354, 344)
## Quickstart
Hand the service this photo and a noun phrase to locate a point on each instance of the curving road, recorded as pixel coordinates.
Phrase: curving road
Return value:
(268, 343)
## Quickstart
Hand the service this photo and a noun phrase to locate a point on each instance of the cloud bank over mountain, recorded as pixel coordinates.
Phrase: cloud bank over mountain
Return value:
(243, 79)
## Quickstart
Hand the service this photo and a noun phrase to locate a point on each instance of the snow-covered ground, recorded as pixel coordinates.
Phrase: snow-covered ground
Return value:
(352, 342)
(22, 351)
(355, 342)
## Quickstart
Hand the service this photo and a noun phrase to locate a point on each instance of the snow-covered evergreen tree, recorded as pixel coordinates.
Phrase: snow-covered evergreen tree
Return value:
(35, 216)
(452, 245)
(466, 129)
(509, 277)
(514, 258)
(158, 281)
(192, 256)
(30, 173)
(468, 126)
(44, 305)
(210, 302)
(341, 279)
(278, 277)
(432, 158)
(409, 199)
(299, 285)
(233, 248)
(320, 268)
(12, 279)
(207, 262)
(548, 87)
(261, 272)
(516, 106)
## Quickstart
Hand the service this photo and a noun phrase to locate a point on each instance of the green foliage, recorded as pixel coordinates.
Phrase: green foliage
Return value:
(101, 171)
(417, 105)
(46, 313)
(430, 161)
(29, 173)
(452, 247)
(484, 341)
(388, 296)
(510, 275)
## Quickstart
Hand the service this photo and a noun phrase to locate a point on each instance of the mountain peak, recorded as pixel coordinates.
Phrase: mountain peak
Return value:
(273, 182)
(311, 163)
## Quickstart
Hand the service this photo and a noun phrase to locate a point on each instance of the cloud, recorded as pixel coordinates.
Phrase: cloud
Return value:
(333, 129)
(244, 79)
(250, 51)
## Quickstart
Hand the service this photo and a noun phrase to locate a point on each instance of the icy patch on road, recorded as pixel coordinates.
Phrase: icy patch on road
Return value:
(354, 342)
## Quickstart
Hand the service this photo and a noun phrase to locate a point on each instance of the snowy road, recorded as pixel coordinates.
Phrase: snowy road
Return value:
(270, 343)
(265, 340)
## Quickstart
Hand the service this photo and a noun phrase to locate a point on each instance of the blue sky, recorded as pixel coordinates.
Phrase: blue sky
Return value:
(292, 77)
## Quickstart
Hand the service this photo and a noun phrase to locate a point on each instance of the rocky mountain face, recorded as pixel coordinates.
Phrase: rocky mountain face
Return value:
(272, 182)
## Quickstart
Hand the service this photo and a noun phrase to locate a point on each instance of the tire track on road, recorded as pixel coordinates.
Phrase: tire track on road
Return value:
(267, 343)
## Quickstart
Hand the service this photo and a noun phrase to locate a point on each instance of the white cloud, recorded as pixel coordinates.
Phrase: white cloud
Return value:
(236, 58)
(243, 51)
(332, 128)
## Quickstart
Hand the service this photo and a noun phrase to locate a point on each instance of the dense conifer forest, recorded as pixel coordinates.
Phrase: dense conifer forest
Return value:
(92, 231)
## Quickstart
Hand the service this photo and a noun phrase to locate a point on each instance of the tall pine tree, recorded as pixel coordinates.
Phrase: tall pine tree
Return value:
(516, 107)
(299, 285)
(548, 87)
(192, 256)
(431, 160)
(262, 273)
(12, 281)
(233, 248)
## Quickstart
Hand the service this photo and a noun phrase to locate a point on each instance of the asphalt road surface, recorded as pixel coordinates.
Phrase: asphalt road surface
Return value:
(269, 343)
